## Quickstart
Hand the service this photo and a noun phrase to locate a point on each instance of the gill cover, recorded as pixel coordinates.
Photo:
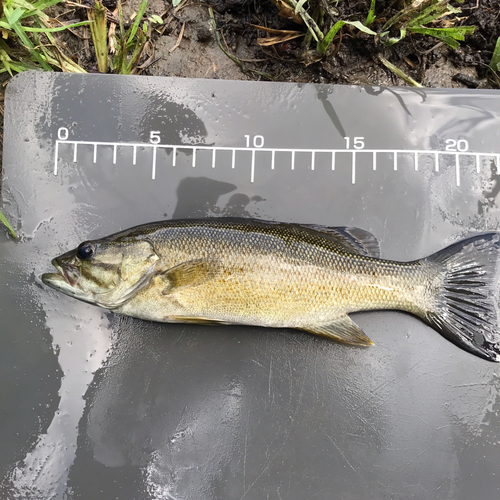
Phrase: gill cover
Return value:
(136, 266)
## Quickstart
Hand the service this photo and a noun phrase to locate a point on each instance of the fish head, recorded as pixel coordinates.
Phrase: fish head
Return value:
(105, 272)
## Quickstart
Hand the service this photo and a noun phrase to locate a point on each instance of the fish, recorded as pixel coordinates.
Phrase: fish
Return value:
(285, 275)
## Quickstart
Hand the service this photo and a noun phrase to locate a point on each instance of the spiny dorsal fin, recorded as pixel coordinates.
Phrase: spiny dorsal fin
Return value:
(353, 239)
(342, 329)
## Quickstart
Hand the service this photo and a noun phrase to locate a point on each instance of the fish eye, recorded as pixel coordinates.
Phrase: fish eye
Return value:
(85, 251)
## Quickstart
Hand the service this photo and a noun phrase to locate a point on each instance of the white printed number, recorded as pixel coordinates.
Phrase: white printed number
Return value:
(154, 137)
(454, 145)
(62, 133)
(257, 141)
(357, 142)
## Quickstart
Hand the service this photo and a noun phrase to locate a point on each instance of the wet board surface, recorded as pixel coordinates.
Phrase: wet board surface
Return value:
(98, 406)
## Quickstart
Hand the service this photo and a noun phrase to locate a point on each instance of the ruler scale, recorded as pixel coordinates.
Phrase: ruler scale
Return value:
(435, 155)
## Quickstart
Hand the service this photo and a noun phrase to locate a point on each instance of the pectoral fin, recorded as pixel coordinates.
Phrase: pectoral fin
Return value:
(190, 273)
(343, 330)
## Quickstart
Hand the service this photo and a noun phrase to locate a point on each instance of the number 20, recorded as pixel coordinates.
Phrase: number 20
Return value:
(454, 145)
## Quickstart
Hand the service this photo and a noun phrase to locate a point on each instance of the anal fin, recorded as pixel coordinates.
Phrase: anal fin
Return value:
(342, 329)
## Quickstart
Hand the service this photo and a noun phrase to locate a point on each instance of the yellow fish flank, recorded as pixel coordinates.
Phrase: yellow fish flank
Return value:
(252, 272)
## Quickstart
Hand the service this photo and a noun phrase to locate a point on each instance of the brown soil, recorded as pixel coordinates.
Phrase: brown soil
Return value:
(353, 58)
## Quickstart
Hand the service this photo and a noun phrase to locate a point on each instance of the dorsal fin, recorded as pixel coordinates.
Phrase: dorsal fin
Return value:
(369, 244)
(353, 239)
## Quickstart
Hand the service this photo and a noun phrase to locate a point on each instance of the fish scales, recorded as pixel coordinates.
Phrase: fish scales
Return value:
(277, 278)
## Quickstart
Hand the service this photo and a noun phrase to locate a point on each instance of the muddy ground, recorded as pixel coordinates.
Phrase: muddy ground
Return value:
(353, 59)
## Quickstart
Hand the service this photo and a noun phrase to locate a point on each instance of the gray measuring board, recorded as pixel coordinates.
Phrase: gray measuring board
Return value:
(98, 406)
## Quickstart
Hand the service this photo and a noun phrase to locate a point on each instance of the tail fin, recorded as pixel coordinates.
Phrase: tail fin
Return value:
(466, 309)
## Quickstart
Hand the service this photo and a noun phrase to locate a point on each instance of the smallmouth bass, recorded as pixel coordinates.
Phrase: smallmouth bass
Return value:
(271, 274)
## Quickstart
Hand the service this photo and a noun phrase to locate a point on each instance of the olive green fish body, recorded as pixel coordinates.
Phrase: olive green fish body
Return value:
(244, 271)
(270, 282)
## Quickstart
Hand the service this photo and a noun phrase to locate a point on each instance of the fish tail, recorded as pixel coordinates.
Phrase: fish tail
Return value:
(465, 307)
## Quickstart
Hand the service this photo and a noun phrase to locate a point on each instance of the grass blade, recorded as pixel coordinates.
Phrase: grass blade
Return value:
(299, 6)
(495, 58)
(29, 45)
(322, 46)
(139, 46)
(398, 72)
(371, 14)
(308, 20)
(14, 17)
(5, 222)
(59, 28)
(137, 20)
(98, 29)
(44, 4)
(446, 35)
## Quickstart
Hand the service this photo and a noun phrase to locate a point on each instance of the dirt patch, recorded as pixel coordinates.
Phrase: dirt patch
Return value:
(196, 54)
(193, 42)
(353, 58)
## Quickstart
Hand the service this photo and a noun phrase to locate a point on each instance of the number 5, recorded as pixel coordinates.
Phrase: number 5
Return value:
(154, 137)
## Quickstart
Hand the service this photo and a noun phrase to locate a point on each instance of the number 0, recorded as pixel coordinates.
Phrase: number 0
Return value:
(62, 133)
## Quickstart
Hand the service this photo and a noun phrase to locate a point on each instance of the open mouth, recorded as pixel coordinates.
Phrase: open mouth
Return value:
(66, 275)
(53, 280)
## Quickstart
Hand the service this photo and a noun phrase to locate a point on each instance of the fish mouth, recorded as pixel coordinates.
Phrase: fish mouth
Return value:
(67, 276)
(54, 280)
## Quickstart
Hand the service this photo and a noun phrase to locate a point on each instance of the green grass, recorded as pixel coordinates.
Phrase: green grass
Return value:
(327, 40)
(129, 44)
(495, 58)
(5, 222)
(419, 17)
(21, 46)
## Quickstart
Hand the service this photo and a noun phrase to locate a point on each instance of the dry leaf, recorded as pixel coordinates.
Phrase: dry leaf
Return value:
(273, 40)
(281, 36)
(287, 11)
(276, 32)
